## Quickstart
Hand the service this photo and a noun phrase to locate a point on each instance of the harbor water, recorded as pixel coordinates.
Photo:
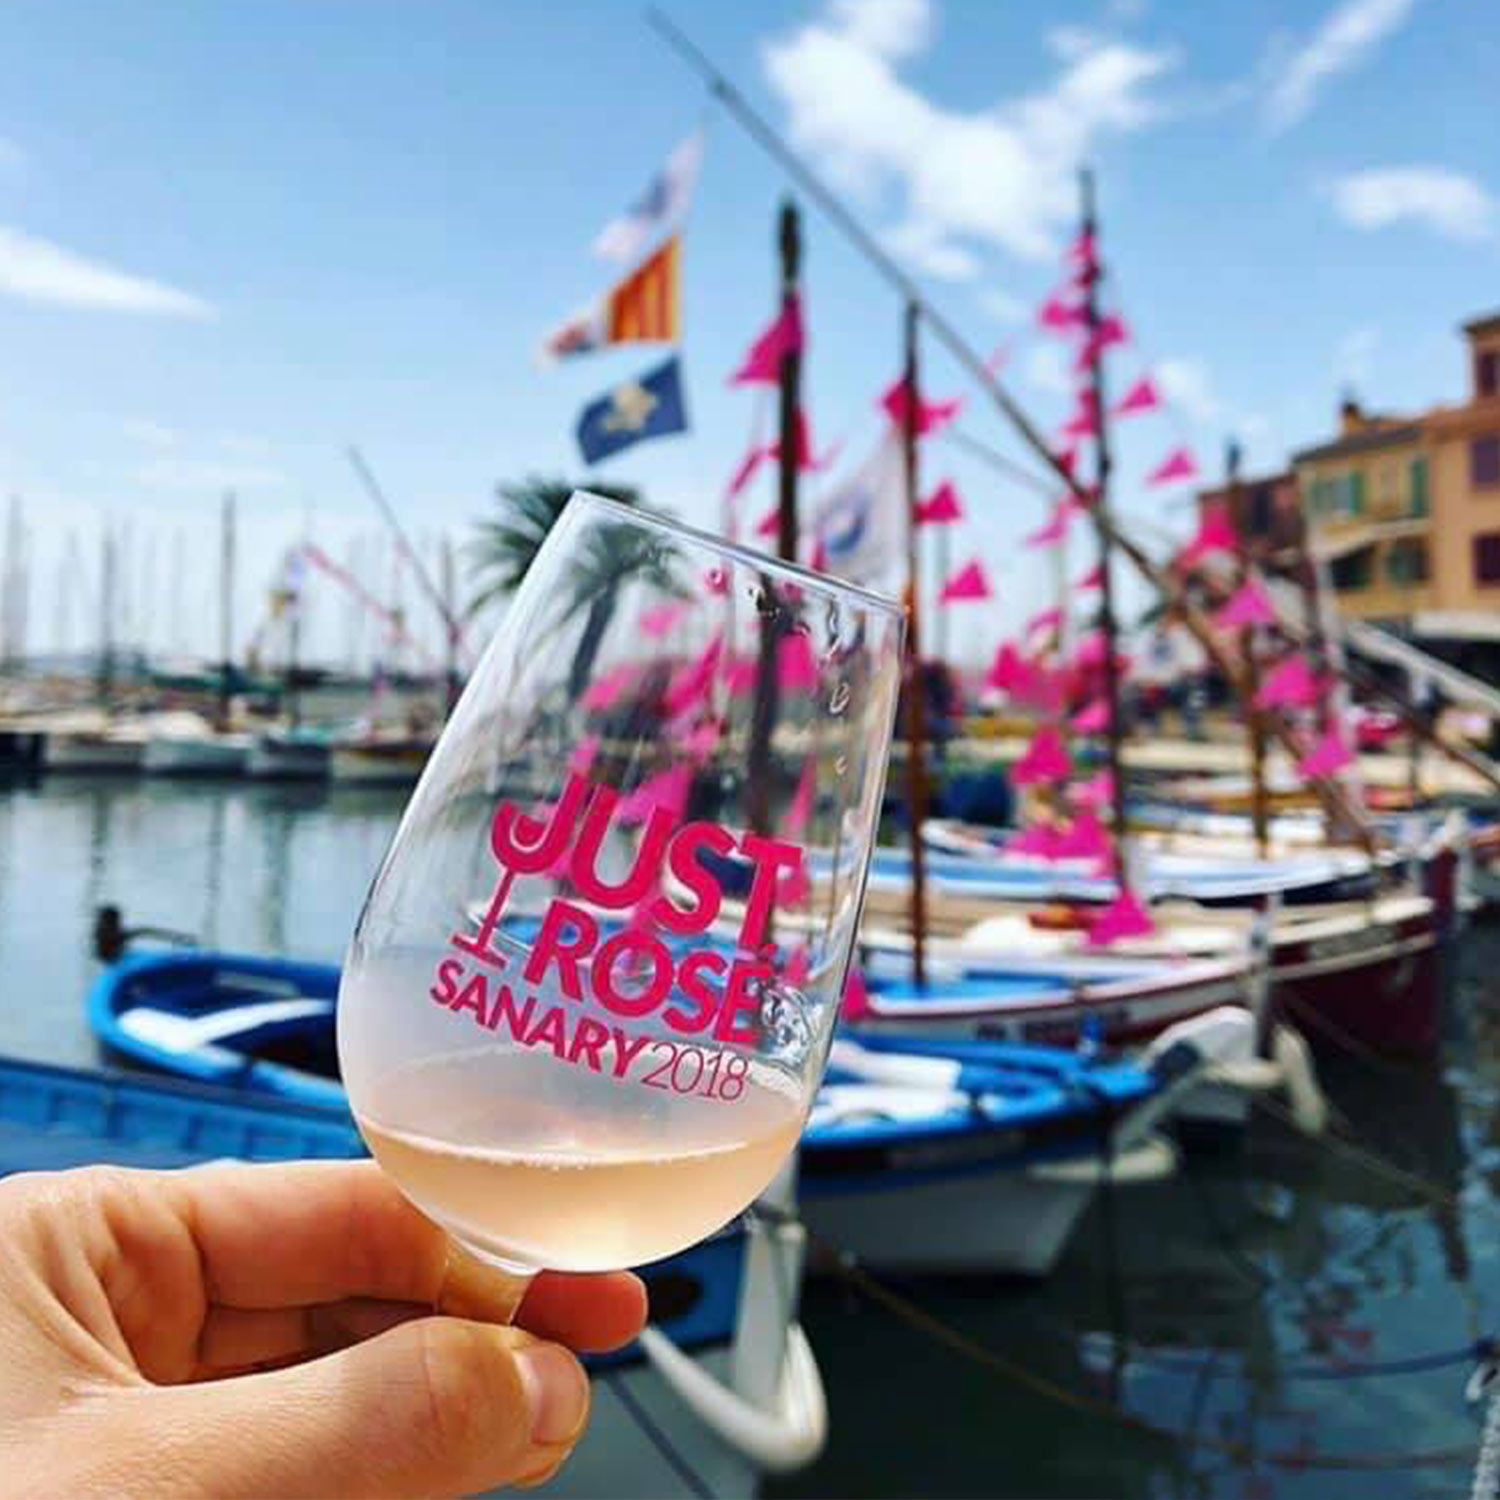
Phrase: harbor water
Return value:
(1286, 1318)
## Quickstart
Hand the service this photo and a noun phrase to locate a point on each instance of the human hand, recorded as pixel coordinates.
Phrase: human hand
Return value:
(281, 1330)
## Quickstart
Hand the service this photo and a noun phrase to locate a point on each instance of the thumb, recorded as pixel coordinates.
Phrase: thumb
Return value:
(434, 1406)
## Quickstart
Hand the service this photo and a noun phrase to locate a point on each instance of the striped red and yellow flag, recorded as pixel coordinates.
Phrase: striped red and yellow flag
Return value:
(643, 307)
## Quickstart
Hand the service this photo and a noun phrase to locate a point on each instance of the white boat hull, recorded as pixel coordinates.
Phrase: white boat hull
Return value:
(67, 751)
(224, 756)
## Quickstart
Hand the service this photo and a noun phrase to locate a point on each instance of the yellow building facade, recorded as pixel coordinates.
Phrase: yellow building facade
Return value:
(1405, 511)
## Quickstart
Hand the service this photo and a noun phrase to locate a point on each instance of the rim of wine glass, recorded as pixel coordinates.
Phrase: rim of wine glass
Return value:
(761, 561)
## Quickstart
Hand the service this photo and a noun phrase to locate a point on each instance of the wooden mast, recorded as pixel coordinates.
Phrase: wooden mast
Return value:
(1108, 624)
(916, 685)
(1249, 644)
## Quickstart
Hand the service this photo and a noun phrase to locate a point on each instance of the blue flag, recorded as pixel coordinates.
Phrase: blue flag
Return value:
(649, 407)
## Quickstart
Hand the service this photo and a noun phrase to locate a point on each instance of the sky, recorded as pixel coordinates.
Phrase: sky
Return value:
(235, 239)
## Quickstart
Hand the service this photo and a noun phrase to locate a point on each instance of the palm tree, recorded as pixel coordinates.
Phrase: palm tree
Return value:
(507, 544)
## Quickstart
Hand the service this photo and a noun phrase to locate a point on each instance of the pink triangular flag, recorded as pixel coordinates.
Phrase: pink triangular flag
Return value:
(1142, 396)
(1008, 671)
(702, 741)
(855, 1004)
(1125, 917)
(802, 430)
(1329, 755)
(1067, 459)
(941, 508)
(606, 689)
(1040, 841)
(739, 675)
(1215, 533)
(1093, 719)
(668, 789)
(1111, 331)
(1056, 529)
(1083, 423)
(1045, 619)
(770, 523)
(1289, 684)
(1093, 579)
(1060, 313)
(660, 618)
(1045, 760)
(1098, 791)
(583, 755)
(762, 364)
(1084, 838)
(1178, 464)
(796, 670)
(968, 583)
(930, 415)
(1081, 251)
(799, 809)
(692, 684)
(742, 475)
(1089, 652)
(1249, 605)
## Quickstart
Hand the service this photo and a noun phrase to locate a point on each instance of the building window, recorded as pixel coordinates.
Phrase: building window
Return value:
(1484, 461)
(1406, 561)
(1258, 513)
(1487, 373)
(1352, 572)
(1354, 494)
(1419, 486)
(1487, 557)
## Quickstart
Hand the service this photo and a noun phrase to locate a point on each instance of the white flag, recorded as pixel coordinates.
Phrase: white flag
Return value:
(856, 525)
(663, 203)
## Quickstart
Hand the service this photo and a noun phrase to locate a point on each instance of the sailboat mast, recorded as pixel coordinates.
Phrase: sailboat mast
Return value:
(916, 686)
(226, 603)
(106, 615)
(1108, 625)
(1249, 654)
(789, 389)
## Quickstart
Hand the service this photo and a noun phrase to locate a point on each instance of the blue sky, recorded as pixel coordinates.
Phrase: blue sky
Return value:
(234, 238)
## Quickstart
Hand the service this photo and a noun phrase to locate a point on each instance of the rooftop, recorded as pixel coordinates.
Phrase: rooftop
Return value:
(1385, 435)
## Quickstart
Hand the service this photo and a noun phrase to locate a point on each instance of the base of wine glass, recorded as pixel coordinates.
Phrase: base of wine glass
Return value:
(478, 1283)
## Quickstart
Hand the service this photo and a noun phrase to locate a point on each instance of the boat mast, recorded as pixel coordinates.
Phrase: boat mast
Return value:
(106, 616)
(450, 635)
(1091, 273)
(916, 686)
(1249, 656)
(226, 604)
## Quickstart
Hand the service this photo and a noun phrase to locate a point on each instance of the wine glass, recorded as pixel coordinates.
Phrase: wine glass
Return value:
(590, 995)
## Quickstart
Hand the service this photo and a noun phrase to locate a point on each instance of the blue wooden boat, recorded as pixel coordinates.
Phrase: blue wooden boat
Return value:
(940, 1122)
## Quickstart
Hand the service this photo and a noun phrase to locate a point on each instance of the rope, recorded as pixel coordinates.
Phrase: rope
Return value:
(664, 1445)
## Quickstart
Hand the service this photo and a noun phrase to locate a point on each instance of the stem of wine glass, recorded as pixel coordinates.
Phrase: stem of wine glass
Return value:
(479, 1286)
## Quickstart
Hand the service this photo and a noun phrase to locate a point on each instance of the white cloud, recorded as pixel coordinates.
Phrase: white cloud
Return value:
(1046, 370)
(1002, 306)
(151, 434)
(1347, 38)
(207, 474)
(1447, 202)
(1354, 359)
(1000, 177)
(36, 270)
(1187, 384)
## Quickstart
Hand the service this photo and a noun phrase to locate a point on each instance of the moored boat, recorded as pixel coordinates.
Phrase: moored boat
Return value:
(289, 755)
(195, 752)
(377, 761)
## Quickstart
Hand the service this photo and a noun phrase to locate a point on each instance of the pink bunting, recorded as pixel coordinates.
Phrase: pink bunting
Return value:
(770, 523)
(930, 415)
(1109, 332)
(794, 887)
(1045, 619)
(799, 810)
(1083, 423)
(692, 684)
(1010, 672)
(739, 676)
(762, 364)
(1093, 579)
(1289, 684)
(668, 789)
(1249, 605)
(1055, 530)
(1085, 838)
(1093, 719)
(1142, 396)
(1215, 533)
(1060, 314)
(1089, 652)
(1178, 464)
(796, 670)
(605, 690)
(1039, 841)
(802, 431)
(1045, 760)
(703, 741)
(1329, 755)
(583, 755)
(855, 1004)
(716, 580)
(1067, 459)
(968, 583)
(660, 618)
(1098, 791)
(1123, 918)
(941, 508)
(1081, 251)
(742, 476)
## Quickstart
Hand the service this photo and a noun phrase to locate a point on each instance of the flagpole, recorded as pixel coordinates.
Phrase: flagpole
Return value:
(1102, 465)
(916, 685)
(1336, 801)
(1249, 639)
(789, 388)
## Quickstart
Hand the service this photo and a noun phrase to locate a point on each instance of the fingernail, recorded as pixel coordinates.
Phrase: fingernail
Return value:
(557, 1391)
